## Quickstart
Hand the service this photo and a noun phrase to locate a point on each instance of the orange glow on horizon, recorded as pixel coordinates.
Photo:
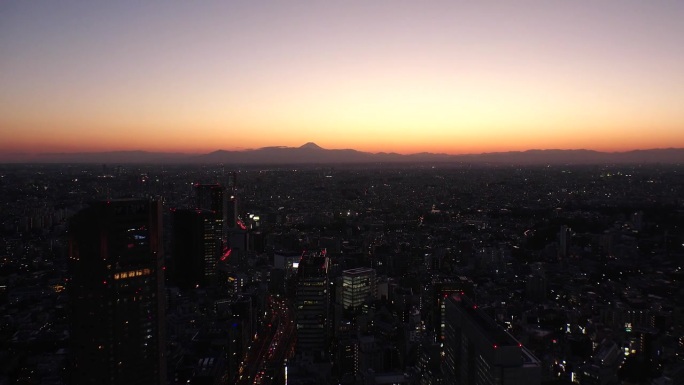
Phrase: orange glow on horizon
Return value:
(409, 143)
(452, 77)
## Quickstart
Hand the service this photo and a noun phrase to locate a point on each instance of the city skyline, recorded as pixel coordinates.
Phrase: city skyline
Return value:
(453, 78)
(409, 274)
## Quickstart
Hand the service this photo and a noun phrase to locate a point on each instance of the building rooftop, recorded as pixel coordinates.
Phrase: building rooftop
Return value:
(498, 336)
(358, 271)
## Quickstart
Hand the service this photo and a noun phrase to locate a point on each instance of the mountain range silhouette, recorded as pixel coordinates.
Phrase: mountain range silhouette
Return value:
(311, 153)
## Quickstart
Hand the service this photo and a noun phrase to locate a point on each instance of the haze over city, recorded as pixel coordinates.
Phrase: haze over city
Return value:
(384, 76)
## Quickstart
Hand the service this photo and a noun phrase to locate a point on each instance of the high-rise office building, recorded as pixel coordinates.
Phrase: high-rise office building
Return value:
(311, 303)
(357, 285)
(232, 212)
(196, 247)
(232, 180)
(442, 290)
(116, 291)
(480, 352)
(213, 197)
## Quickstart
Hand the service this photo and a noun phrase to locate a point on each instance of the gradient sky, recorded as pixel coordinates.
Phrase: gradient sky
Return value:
(440, 76)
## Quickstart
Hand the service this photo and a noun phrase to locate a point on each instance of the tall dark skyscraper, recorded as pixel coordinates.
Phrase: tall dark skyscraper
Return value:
(443, 289)
(232, 208)
(196, 247)
(117, 294)
(311, 303)
(232, 212)
(214, 197)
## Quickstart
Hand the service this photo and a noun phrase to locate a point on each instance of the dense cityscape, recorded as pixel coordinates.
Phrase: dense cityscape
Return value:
(386, 192)
(366, 274)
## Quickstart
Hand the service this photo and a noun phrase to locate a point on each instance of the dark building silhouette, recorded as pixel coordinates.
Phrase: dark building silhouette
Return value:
(536, 283)
(478, 351)
(232, 200)
(311, 303)
(232, 180)
(232, 212)
(603, 368)
(116, 291)
(442, 290)
(536, 287)
(196, 247)
(214, 197)
(243, 327)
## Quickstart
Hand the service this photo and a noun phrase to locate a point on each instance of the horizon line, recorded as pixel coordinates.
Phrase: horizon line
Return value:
(310, 145)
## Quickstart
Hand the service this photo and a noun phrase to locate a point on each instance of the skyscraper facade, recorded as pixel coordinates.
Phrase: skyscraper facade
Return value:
(196, 247)
(232, 200)
(357, 285)
(442, 290)
(116, 291)
(480, 352)
(213, 197)
(232, 212)
(311, 303)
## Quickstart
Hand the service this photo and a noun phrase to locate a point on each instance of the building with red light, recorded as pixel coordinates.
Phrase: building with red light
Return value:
(479, 352)
(442, 290)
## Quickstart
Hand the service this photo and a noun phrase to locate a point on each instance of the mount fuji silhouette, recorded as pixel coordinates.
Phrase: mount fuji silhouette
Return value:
(310, 146)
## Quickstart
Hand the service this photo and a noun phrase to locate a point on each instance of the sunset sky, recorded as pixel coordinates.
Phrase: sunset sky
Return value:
(439, 76)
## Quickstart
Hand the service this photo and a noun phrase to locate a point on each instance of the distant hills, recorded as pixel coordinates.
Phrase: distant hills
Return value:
(311, 153)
